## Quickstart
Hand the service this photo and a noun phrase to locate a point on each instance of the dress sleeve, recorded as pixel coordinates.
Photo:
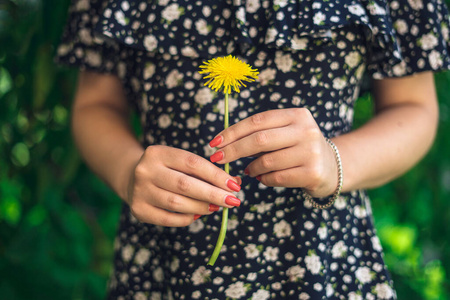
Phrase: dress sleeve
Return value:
(421, 33)
(83, 47)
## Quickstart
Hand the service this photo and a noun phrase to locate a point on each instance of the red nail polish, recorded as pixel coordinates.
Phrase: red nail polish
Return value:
(233, 201)
(216, 156)
(246, 172)
(216, 141)
(213, 207)
(238, 180)
(197, 216)
(258, 178)
(233, 185)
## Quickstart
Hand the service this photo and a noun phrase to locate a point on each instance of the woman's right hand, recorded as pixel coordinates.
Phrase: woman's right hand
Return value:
(173, 187)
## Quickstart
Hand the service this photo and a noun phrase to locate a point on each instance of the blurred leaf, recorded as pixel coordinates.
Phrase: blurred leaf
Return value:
(20, 155)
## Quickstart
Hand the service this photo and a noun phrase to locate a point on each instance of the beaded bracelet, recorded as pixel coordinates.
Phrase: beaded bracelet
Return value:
(337, 192)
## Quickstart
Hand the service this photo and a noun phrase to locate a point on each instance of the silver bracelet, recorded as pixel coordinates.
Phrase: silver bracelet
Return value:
(337, 192)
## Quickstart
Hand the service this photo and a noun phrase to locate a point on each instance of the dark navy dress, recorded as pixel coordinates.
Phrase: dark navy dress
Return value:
(310, 54)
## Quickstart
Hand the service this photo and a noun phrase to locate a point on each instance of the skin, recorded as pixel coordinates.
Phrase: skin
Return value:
(290, 148)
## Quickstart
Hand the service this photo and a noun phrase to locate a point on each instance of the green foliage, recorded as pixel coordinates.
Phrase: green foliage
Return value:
(57, 220)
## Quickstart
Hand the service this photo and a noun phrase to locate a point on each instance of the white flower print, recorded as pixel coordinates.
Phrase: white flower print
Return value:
(156, 296)
(322, 232)
(263, 207)
(282, 229)
(280, 3)
(201, 275)
(120, 17)
(171, 12)
(354, 296)
(318, 18)
(318, 287)
(189, 52)
(174, 264)
(251, 251)
(174, 79)
(299, 43)
(375, 9)
(356, 9)
(164, 121)
(376, 244)
(271, 34)
(158, 274)
(196, 295)
(261, 295)
(384, 291)
(240, 15)
(360, 212)
(149, 70)
(218, 280)
(435, 59)
(252, 6)
(82, 5)
(295, 273)
(252, 276)
(232, 224)
(150, 42)
(193, 122)
(339, 250)
(304, 296)
(313, 263)
(353, 59)
(204, 96)
(309, 225)
(363, 274)
(266, 75)
(93, 58)
(163, 2)
(202, 27)
(401, 26)
(329, 290)
(339, 83)
(283, 62)
(416, 4)
(236, 290)
(127, 252)
(142, 256)
(271, 253)
(196, 226)
(428, 41)
(139, 296)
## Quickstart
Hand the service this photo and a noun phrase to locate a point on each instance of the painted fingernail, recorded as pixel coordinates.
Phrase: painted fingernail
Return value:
(213, 207)
(197, 216)
(258, 178)
(216, 141)
(216, 156)
(238, 180)
(233, 185)
(233, 201)
(246, 171)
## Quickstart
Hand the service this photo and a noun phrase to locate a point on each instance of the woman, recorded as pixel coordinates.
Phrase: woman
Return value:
(311, 56)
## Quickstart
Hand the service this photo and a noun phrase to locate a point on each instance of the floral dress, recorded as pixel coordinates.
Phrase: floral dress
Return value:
(310, 53)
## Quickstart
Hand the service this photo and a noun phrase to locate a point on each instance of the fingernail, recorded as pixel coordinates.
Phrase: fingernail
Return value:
(238, 179)
(233, 201)
(258, 178)
(246, 171)
(197, 216)
(213, 207)
(216, 141)
(216, 156)
(233, 185)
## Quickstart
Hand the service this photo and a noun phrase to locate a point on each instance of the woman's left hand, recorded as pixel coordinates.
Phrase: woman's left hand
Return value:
(291, 150)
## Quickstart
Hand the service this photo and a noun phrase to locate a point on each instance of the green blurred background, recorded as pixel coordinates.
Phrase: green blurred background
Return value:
(57, 220)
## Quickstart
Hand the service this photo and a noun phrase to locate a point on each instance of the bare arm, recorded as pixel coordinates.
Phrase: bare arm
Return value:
(399, 135)
(163, 185)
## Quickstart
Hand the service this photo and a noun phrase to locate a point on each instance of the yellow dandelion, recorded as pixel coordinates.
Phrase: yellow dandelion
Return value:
(227, 72)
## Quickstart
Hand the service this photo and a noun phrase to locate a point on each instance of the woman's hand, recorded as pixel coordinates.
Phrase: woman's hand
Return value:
(172, 187)
(291, 148)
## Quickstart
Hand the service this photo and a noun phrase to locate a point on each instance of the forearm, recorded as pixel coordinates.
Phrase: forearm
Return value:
(100, 125)
(388, 145)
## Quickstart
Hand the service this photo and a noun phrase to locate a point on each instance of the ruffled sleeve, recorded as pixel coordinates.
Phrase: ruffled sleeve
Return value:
(421, 35)
(83, 48)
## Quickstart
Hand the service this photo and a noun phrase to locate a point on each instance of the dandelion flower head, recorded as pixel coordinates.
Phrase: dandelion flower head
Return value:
(227, 72)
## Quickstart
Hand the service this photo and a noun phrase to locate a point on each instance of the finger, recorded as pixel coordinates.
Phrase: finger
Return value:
(256, 143)
(183, 186)
(196, 166)
(147, 213)
(258, 122)
(175, 202)
(279, 160)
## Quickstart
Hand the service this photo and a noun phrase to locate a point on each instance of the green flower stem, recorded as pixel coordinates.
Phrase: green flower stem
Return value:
(223, 227)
